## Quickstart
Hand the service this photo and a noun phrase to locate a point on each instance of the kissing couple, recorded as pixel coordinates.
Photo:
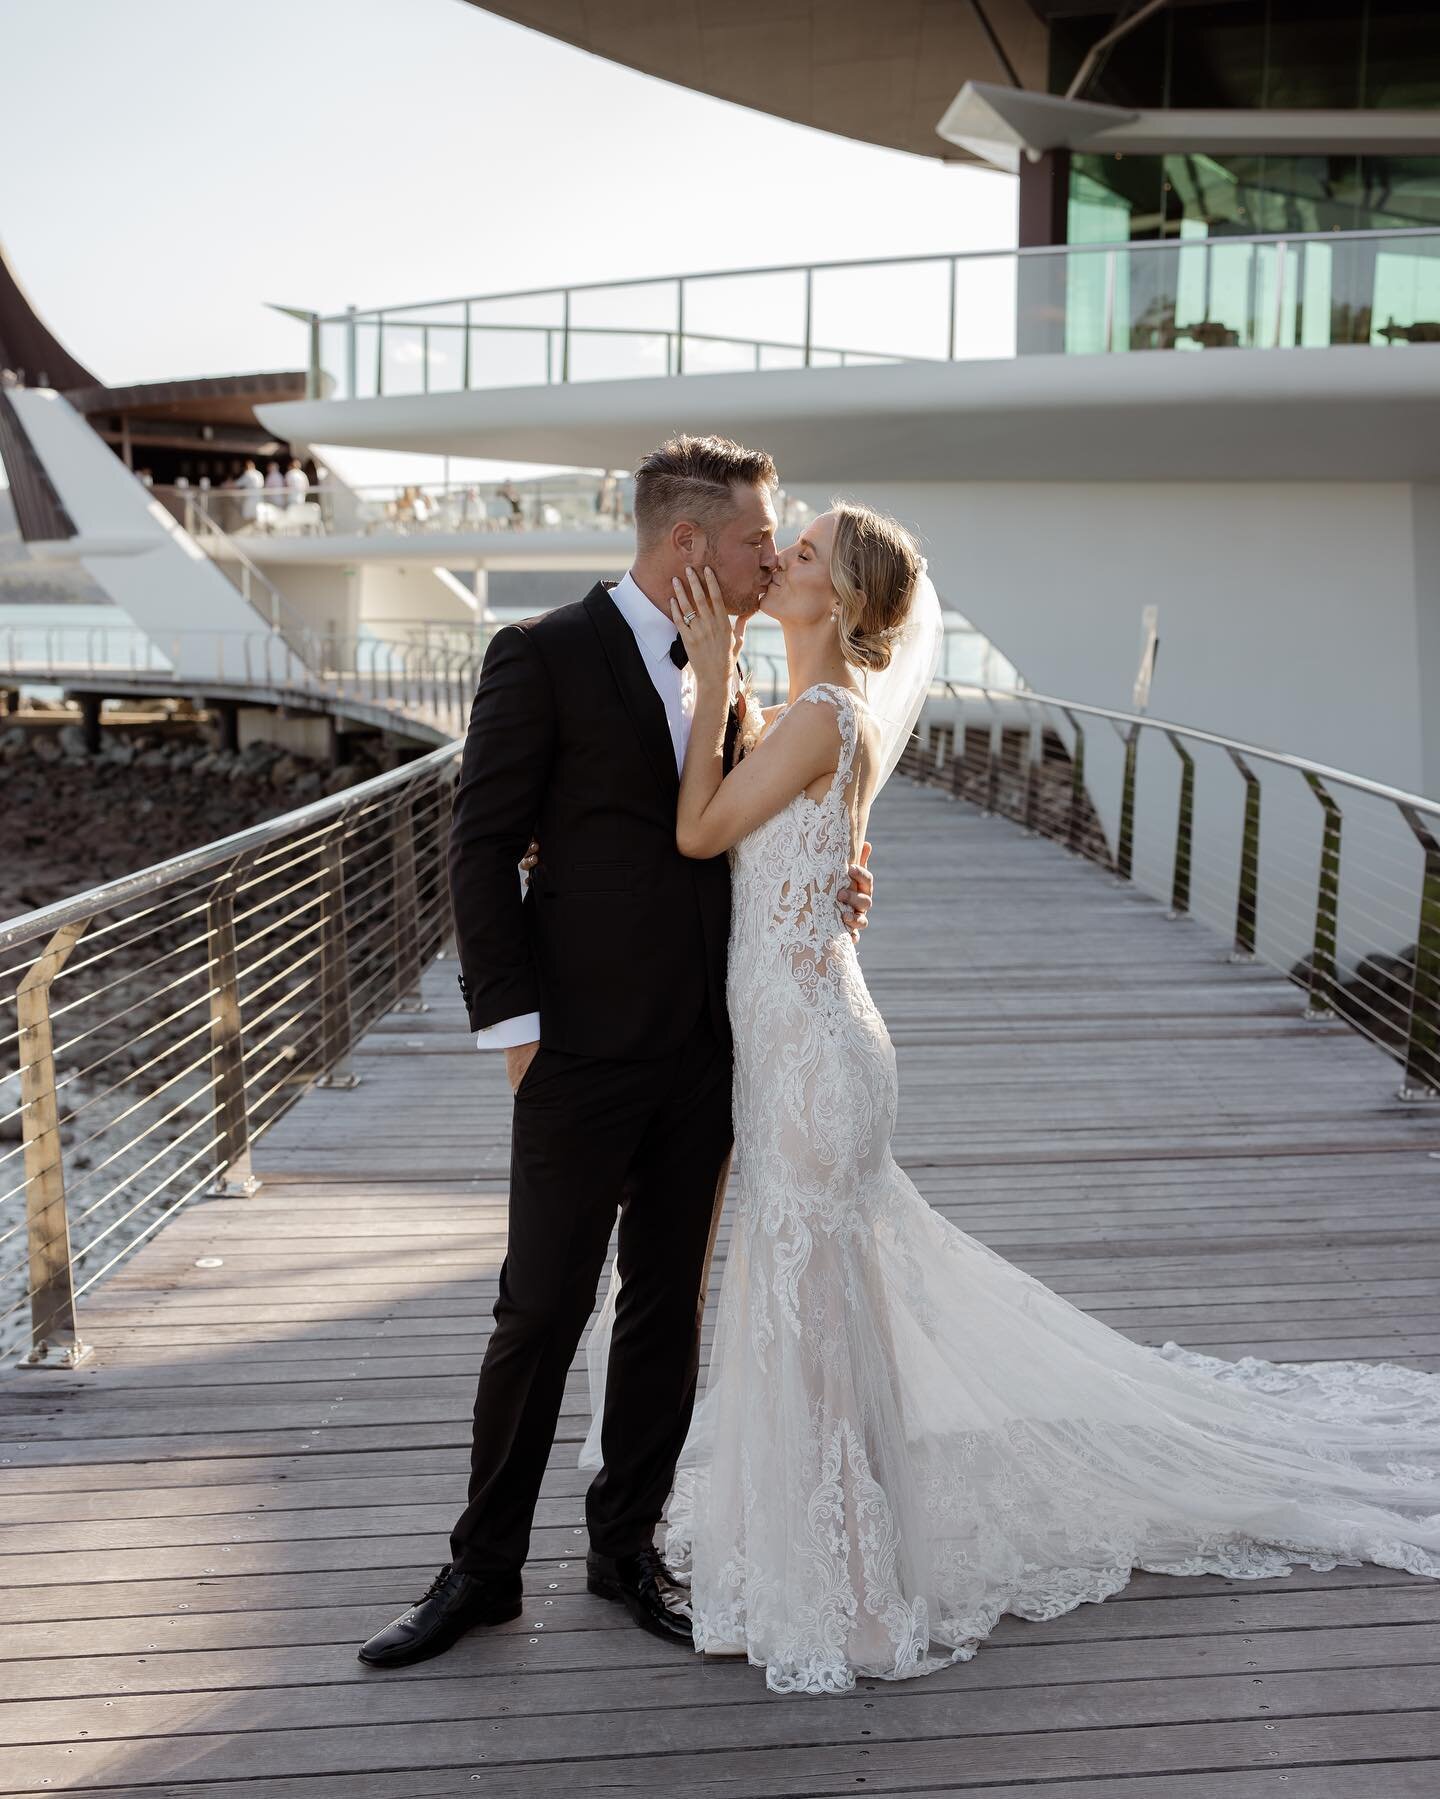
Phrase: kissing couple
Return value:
(903, 1436)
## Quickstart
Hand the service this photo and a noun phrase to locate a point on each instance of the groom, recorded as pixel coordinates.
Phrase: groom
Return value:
(605, 988)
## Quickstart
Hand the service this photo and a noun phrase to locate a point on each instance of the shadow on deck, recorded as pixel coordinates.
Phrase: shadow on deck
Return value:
(263, 1463)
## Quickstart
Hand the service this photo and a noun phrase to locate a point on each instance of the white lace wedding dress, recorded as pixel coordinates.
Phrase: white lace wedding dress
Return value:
(903, 1436)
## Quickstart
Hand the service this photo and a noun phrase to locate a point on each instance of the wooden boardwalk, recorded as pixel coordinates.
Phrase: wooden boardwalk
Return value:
(263, 1463)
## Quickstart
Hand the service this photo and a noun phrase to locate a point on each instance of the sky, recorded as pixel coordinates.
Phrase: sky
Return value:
(172, 165)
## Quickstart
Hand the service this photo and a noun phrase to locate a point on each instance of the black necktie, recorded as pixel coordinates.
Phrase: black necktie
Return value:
(679, 655)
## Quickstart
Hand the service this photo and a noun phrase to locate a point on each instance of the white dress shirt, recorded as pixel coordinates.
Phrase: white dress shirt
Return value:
(654, 633)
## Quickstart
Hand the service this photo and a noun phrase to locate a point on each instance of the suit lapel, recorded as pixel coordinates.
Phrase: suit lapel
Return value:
(642, 702)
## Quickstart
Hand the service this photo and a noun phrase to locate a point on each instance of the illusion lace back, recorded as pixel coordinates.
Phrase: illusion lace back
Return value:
(903, 1436)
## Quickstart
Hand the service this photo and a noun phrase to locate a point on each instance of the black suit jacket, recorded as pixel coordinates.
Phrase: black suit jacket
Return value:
(620, 941)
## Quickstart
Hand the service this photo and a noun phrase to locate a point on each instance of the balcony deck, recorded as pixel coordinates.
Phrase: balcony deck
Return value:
(261, 1464)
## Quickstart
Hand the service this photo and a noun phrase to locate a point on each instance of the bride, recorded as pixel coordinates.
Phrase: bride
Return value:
(903, 1436)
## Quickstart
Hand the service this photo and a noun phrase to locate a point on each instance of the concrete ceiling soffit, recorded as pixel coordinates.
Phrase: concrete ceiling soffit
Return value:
(878, 74)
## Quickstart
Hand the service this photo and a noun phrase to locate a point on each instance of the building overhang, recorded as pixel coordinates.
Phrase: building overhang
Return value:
(830, 64)
(1354, 414)
(1002, 125)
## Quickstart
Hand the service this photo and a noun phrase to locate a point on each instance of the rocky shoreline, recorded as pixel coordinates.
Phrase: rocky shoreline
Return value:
(70, 820)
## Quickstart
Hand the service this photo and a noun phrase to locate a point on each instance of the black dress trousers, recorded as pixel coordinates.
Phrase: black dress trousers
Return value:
(652, 1140)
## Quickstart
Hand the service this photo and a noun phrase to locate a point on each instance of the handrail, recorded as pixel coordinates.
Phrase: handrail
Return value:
(1281, 758)
(242, 972)
(1275, 305)
(1384, 922)
(157, 1025)
(319, 671)
(1027, 252)
(212, 533)
(47, 919)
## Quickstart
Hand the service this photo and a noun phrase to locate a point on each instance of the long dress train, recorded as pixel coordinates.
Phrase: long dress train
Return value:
(903, 1436)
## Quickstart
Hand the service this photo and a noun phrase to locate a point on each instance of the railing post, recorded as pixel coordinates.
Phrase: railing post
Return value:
(809, 311)
(957, 752)
(379, 354)
(1321, 1002)
(1422, 1047)
(1110, 276)
(680, 327)
(1281, 254)
(336, 1026)
(235, 1178)
(993, 747)
(312, 374)
(1125, 838)
(565, 334)
(1034, 769)
(352, 362)
(1184, 830)
(1076, 829)
(408, 966)
(465, 353)
(54, 1335)
(954, 304)
(1248, 892)
(425, 359)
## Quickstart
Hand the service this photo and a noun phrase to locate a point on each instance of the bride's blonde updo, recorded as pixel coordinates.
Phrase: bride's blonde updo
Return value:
(875, 565)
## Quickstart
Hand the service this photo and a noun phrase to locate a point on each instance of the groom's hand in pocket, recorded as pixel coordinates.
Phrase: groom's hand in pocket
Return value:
(857, 895)
(517, 1063)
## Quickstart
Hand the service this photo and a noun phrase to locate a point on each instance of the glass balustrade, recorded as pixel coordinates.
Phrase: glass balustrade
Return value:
(566, 502)
(1191, 293)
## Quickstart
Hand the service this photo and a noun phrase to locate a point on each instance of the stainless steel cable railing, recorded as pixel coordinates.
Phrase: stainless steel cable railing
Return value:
(1338, 887)
(153, 1028)
(430, 684)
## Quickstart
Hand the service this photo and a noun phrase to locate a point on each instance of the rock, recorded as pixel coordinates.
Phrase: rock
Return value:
(346, 775)
(308, 785)
(119, 751)
(156, 758)
(72, 742)
(283, 770)
(45, 748)
(15, 738)
(203, 763)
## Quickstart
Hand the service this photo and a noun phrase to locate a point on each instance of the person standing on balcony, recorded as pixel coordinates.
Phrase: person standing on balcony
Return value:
(604, 986)
(251, 483)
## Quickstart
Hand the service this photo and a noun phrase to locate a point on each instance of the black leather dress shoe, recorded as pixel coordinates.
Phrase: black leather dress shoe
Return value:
(646, 1588)
(455, 1603)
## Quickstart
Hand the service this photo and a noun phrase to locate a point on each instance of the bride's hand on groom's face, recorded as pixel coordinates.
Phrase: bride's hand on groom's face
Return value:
(857, 895)
(698, 609)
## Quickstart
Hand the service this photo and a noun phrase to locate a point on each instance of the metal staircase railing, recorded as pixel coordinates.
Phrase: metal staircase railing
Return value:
(255, 587)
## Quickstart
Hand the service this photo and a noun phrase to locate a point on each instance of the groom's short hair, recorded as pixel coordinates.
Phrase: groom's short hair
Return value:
(695, 478)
